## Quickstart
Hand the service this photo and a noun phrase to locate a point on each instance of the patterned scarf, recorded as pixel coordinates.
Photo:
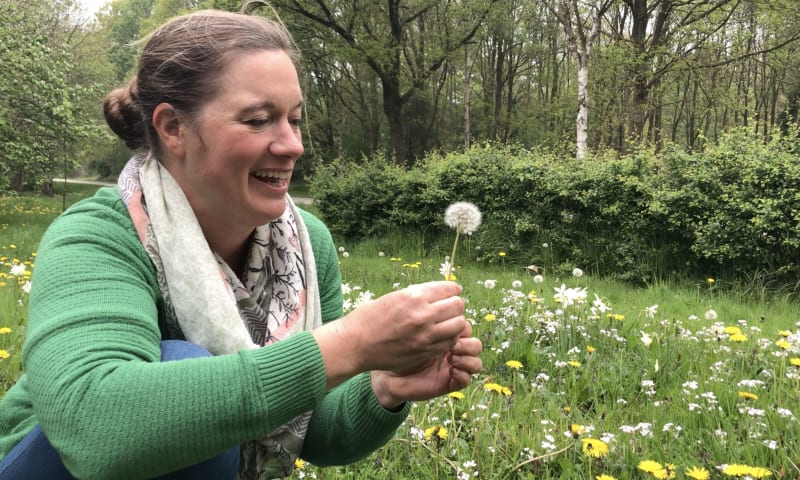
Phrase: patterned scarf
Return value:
(206, 302)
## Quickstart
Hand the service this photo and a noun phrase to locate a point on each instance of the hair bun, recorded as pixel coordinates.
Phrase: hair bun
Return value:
(123, 115)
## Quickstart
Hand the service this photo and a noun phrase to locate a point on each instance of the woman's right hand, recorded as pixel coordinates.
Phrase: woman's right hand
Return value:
(400, 331)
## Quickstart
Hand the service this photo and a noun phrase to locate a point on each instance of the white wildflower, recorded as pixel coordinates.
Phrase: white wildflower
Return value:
(18, 269)
(650, 312)
(577, 273)
(537, 279)
(463, 216)
(711, 314)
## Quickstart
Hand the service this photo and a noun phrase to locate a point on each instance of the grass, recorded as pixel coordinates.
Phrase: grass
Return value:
(683, 375)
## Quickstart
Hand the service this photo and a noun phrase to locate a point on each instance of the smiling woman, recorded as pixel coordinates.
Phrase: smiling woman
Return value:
(195, 310)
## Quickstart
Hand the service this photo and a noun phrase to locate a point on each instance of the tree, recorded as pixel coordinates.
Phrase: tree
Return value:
(403, 43)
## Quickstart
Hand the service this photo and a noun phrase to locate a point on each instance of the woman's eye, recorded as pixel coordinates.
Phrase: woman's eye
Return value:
(296, 122)
(257, 122)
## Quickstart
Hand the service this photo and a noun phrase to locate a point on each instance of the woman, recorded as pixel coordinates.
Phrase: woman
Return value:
(152, 301)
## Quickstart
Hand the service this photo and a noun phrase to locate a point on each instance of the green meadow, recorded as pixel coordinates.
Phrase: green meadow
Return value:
(584, 378)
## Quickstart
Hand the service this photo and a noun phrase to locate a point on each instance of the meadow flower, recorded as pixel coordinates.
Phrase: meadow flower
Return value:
(438, 431)
(502, 254)
(710, 280)
(299, 464)
(733, 330)
(794, 361)
(577, 272)
(537, 279)
(489, 284)
(748, 396)
(604, 477)
(590, 349)
(785, 333)
(497, 388)
(759, 472)
(456, 395)
(516, 284)
(650, 312)
(736, 470)
(5, 330)
(594, 448)
(783, 344)
(4, 354)
(738, 338)
(667, 472)
(646, 339)
(649, 466)
(463, 217)
(576, 429)
(711, 314)
(698, 473)
(514, 364)
(490, 317)
(26, 287)
(600, 305)
(574, 363)
(18, 269)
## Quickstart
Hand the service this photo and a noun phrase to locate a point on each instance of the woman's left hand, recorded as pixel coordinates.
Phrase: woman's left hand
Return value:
(437, 377)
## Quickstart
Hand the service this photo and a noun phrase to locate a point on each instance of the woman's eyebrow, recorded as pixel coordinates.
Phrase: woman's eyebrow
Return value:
(268, 105)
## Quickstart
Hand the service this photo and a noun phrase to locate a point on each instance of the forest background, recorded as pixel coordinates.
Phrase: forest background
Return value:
(625, 134)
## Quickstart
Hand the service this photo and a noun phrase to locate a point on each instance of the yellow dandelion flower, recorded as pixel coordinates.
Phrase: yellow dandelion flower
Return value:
(698, 473)
(594, 448)
(497, 388)
(785, 333)
(604, 477)
(577, 429)
(748, 396)
(299, 463)
(649, 466)
(2, 284)
(736, 470)
(12, 246)
(502, 254)
(733, 330)
(5, 330)
(574, 363)
(783, 344)
(490, 317)
(759, 472)
(4, 354)
(738, 338)
(456, 395)
(710, 280)
(590, 349)
(533, 298)
(437, 431)
(794, 361)
(567, 409)
(451, 277)
(514, 364)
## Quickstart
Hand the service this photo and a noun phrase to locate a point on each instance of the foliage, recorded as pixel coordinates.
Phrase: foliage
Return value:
(727, 211)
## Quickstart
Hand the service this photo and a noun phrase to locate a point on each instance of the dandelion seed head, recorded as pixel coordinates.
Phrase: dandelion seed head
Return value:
(464, 217)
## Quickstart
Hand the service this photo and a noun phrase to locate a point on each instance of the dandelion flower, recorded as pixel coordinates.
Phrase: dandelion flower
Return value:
(4, 354)
(649, 466)
(590, 349)
(759, 472)
(733, 330)
(514, 364)
(437, 431)
(574, 363)
(497, 388)
(594, 448)
(577, 272)
(698, 473)
(783, 344)
(738, 338)
(490, 317)
(748, 396)
(489, 284)
(736, 470)
(710, 280)
(464, 217)
(577, 429)
(456, 395)
(299, 463)
(604, 477)
(5, 330)
(711, 314)
(785, 333)
(794, 361)
(537, 279)
(516, 284)
(502, 254)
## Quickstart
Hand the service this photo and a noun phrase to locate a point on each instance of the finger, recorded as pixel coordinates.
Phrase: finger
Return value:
(468, 346)
(459, 379)
(447, 308)
(448, 331)
(466, 363)
(432, 291)
(467, 332)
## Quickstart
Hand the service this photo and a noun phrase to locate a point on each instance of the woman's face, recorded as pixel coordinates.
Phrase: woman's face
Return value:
(240, 152)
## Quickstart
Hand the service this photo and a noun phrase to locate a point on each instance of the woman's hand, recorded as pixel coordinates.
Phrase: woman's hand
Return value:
(403, 331)
(432, 379)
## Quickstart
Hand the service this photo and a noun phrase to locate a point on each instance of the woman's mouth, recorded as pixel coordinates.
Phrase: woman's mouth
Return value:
(276, 178)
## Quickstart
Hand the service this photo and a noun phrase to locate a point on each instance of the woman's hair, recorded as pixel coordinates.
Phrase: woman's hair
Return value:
(181, 64)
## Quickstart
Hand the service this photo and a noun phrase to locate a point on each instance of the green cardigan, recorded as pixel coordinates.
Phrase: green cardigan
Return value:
(95, 384)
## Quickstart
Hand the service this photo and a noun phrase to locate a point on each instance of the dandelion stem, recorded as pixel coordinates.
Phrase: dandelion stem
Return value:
(451, 263)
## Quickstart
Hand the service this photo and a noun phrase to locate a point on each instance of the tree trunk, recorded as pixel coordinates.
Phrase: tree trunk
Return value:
(467, 92)
(582, 119)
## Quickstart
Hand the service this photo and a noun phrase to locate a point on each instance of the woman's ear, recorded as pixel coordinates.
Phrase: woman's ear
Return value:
(168, 126)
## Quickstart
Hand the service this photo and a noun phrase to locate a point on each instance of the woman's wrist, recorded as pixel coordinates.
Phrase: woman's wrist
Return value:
(381, 386)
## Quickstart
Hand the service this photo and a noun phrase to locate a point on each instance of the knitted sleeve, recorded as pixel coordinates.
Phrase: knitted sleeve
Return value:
(96, 385)
(349, 417)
